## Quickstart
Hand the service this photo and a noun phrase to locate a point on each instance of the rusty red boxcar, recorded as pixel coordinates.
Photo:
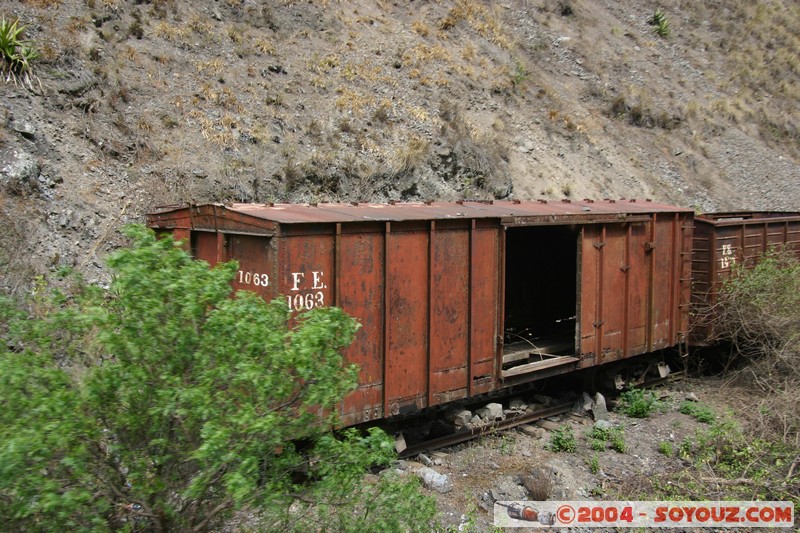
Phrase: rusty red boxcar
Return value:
(461, 299)
(723, 240)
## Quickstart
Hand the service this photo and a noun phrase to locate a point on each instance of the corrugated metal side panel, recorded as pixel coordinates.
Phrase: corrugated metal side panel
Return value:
(406, 369)
(450, 313)
(205, 246)
(305, 270)
(633, 291)
(427, 298)
(727, 250)
(664, 284)
(590, 291)
(359, 289)
(614, 306)
(257, 269)
(485, 309)
(637, 265)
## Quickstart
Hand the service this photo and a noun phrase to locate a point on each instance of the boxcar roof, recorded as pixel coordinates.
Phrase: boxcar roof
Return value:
(744, 217)
(394, 212)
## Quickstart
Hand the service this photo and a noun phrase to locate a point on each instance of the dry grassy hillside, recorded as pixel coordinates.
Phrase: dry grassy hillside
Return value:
(136, 104)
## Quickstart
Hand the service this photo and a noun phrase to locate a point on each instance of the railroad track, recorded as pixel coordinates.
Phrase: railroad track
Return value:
(466, 435)
(513, 421)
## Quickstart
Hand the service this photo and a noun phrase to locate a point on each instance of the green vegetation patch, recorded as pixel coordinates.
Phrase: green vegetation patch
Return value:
(701, 413)
(168, 402)
(637, 403)
(16, 52)
(563, 440)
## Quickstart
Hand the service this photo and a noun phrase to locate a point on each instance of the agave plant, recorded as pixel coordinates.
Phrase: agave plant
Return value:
(16, 53)
(660, 23)
(25, 54)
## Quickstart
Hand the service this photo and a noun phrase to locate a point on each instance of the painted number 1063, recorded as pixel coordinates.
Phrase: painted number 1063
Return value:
(309, 300)
(253, 278)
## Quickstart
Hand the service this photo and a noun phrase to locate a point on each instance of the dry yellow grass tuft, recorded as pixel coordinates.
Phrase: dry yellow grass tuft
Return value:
(480, 19)
(353, 101)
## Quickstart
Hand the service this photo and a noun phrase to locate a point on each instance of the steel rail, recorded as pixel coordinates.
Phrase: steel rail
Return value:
(463, 436)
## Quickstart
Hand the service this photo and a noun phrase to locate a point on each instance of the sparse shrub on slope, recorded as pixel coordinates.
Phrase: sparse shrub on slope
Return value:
(758, 311)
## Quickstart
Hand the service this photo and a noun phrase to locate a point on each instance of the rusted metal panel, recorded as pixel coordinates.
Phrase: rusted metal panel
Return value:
(589, 293)
(637, 280)
(723, 240)
(406, 360)
(305, 271)
(204, 246)
(633, 297)
(484, 309)
(210, 217)
(266, 216)
(181, 234)
(256, 258)
(450, 312)
(663, 289)
(359, 284)
(614, 305)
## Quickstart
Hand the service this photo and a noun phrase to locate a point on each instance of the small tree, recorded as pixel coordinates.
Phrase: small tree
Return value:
(166, 403)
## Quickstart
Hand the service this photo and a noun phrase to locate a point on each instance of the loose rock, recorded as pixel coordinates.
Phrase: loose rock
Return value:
(548, 425)
(492, 412)
(532, 431)
(599, 410)
(517, 405)
(434, 480)
(459, 417)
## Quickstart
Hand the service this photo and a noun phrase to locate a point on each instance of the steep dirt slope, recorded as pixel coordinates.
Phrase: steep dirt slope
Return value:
(145, 103)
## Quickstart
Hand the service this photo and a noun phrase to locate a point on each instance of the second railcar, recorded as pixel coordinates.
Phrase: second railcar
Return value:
(723, 240)
(464, 298)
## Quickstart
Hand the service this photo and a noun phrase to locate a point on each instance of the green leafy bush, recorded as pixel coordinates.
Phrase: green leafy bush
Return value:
(618, 440)
(665, 448)
(594, 465)
(599, 438)
(563, 440)
(701, 413)
(637, 403)
(166, 403)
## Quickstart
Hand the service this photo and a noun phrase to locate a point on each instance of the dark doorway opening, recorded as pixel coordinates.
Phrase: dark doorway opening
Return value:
(540, 292)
